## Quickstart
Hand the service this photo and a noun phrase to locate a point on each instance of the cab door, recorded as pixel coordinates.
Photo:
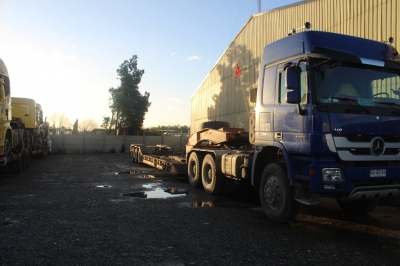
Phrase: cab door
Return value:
(290, 127)
(265, 107)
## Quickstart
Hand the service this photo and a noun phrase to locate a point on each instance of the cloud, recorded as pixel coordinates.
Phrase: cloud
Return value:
(175, 100)
(194, 57)
(174, 53)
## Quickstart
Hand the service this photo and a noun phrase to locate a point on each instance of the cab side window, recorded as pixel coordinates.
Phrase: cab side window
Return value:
(269, 85)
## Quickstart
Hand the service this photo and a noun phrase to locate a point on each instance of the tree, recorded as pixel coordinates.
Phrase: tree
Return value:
(128, 106)
(87, 125)
(59, 120)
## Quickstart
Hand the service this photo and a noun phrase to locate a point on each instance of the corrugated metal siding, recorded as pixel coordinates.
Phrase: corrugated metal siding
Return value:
(222, 97)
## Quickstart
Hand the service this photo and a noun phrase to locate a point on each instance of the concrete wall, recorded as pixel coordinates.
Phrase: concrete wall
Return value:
(82, 144)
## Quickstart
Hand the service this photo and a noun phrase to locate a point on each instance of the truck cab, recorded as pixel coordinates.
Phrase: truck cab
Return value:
(5, 114)
(328, 118)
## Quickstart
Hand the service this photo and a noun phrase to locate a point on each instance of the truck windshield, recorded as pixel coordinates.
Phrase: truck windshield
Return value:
(357, 84)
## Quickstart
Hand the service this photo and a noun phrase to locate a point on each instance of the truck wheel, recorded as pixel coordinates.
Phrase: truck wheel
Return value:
(358, 206)
(214, 124)
(212, 183)
(7, 144)
(194, 170)
(139, 156)
(276, 195)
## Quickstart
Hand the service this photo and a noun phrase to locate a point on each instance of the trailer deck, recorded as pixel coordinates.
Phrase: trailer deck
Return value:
(160, 156)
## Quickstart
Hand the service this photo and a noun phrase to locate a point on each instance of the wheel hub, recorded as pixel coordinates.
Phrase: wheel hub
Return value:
(272, 193)
(193, 170)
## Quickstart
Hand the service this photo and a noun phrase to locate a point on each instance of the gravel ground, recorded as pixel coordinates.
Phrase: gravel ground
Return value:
(75, 210)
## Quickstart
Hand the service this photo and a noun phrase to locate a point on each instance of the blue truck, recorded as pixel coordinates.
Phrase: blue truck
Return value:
(326, 124)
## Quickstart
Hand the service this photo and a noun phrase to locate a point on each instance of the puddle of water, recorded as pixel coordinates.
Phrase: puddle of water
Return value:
(123, 173)
(140, 194)
(103, 186)
(5, 223)
(158, 193)
(175, 191)
(150, 186)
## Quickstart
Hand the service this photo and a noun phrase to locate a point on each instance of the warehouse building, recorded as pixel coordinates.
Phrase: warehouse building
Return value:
(223, 97)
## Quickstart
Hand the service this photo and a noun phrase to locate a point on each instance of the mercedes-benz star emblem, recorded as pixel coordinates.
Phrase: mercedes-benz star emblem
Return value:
(377, 146)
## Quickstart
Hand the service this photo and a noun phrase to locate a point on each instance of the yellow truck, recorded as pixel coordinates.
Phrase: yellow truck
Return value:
(31, 115)
(14, 141)
(22, 130)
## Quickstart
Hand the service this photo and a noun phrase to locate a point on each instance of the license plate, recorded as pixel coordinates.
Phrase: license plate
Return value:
(377, 173)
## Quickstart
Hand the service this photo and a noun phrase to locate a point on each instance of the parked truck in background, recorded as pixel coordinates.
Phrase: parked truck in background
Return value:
(326, 124)
(31, 115)
(14, 142)
(22, 130)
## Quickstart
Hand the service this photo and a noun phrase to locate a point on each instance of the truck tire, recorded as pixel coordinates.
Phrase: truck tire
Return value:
(7, 144)
(358, 206)
(134, 155)
(212, 182)
(214, 124)
(138, 156)
(276, 195)
(194, 171)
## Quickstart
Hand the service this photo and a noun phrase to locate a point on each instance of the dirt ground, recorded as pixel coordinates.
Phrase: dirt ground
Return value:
(102, 209)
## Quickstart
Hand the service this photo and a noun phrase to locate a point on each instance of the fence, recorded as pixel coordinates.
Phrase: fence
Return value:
(83, 144)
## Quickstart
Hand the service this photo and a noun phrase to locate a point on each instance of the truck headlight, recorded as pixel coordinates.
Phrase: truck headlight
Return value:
(332, 175)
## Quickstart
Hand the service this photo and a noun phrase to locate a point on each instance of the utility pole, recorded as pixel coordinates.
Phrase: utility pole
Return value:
(259, 6)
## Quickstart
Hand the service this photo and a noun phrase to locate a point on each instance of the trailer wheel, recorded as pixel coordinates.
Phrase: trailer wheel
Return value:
(212, 183)
(358, 206)
(7, 144)
(276, 195)
(194, 170)
(134, 155)
(139, 156)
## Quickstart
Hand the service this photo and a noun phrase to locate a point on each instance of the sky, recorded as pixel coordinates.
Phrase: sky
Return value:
(64, 54)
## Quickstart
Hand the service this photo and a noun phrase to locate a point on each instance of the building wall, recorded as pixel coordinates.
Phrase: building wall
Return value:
(223, 97)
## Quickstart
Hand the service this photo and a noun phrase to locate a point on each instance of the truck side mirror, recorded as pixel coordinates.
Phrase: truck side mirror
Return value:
(293, 84)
